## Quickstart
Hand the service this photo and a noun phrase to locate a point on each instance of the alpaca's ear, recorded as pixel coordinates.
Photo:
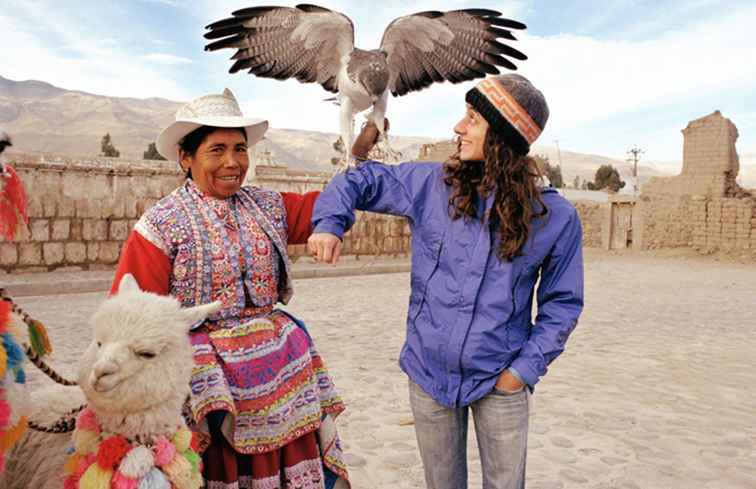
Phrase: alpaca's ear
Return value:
(193, 315)
(128, 284)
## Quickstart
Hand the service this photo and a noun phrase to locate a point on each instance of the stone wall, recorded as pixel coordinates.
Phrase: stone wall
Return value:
(703, 223)
(592, 216)
(710, 161)
(730, 225)
(81, 211)
(703, 207)
(372, 234)
(440, 151)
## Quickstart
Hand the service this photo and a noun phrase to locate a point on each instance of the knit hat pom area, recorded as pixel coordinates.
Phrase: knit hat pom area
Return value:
(513, 107)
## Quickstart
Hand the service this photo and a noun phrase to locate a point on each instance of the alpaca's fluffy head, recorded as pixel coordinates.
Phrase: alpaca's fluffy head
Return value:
(140, 356)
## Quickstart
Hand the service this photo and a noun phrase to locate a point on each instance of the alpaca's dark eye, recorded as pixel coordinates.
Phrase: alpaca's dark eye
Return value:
(99, 344)
(146, 354)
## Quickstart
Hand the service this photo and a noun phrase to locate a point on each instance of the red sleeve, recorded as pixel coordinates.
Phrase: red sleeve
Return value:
(299, 214)
(146, 262)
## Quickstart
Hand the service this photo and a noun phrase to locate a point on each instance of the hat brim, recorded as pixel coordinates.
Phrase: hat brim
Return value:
(168, 141)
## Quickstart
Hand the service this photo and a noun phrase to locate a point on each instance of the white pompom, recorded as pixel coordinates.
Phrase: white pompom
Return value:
(137, 463)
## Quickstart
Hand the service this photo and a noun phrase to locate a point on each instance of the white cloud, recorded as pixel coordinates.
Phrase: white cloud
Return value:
(587, 80)
(74, 58)
(170, 3)
(167, 59)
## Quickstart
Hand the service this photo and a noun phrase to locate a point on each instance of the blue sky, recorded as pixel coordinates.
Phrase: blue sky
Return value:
(615, 73)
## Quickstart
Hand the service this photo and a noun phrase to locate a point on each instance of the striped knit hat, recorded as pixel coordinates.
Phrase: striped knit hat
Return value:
(513, 107)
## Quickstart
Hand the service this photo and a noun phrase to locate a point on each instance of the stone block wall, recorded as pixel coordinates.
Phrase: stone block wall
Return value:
(592, 217)
(706, 224)
(372, 234)
(710, 161)
(82, 211)
(730, 226)
(666, 221)
(703, 207)
(440, 151)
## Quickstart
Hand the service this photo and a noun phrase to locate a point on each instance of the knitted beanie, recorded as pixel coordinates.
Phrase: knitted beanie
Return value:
(513, 107)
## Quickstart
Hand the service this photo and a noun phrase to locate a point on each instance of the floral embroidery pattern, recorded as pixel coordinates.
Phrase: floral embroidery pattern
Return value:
(254, 362)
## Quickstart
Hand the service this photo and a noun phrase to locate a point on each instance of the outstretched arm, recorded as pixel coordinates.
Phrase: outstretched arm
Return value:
(387, 189)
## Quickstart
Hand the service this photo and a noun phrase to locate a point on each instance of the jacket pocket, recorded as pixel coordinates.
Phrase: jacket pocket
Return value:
(431, 255)
(523, 285)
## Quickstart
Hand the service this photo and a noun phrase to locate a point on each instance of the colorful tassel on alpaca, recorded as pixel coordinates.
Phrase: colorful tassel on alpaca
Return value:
(86, 441)
(15, 355)
(11, 436)
(155, 480)
(164, 451)
(137, 462)
(5, 413)
(111, 451)
(5, 313)
(72, 464)
(87, 421)
(179, 472)
(40, 341)
(3, 361)
(5, 317)
(102, 461)
(182, 439)
(120, 481)
(194, 460)
(96, 478)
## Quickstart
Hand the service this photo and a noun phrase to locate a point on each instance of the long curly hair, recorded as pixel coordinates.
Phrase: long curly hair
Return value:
(514, 179)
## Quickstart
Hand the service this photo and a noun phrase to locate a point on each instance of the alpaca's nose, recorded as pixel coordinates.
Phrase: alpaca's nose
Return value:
(101, 369)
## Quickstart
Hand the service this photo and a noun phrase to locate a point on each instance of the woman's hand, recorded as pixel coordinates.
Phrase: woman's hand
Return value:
(324, 247)
(367, 138)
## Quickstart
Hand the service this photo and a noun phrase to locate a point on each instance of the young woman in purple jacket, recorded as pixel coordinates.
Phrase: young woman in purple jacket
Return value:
(484, 231)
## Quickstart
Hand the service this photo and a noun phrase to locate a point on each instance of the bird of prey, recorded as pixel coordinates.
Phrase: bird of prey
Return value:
(316, 45)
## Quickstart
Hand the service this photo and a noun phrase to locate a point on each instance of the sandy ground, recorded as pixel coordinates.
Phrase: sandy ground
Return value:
(655, 389)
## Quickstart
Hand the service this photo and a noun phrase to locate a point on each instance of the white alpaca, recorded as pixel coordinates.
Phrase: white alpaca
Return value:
(134, 374)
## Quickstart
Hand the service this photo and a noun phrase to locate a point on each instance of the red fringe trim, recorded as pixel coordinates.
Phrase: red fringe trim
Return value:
(13, 204)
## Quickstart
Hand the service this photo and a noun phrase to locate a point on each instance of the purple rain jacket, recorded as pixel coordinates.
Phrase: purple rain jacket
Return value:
(470, 313)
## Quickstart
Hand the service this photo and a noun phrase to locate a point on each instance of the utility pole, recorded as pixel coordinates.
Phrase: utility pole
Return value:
(634, 157)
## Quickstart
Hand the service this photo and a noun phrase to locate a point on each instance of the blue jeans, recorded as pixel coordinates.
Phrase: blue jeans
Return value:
(501, 427)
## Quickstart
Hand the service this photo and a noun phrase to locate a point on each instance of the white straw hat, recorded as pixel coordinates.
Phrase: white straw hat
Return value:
(216, 110)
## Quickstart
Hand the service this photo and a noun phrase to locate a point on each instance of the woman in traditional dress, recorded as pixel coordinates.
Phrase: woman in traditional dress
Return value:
(261, 397)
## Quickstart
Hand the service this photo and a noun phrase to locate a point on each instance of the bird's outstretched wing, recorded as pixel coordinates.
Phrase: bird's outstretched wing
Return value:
(306, 42)
(456, 46)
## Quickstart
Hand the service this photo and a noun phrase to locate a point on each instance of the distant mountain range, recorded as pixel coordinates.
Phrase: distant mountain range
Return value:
(43, 118)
